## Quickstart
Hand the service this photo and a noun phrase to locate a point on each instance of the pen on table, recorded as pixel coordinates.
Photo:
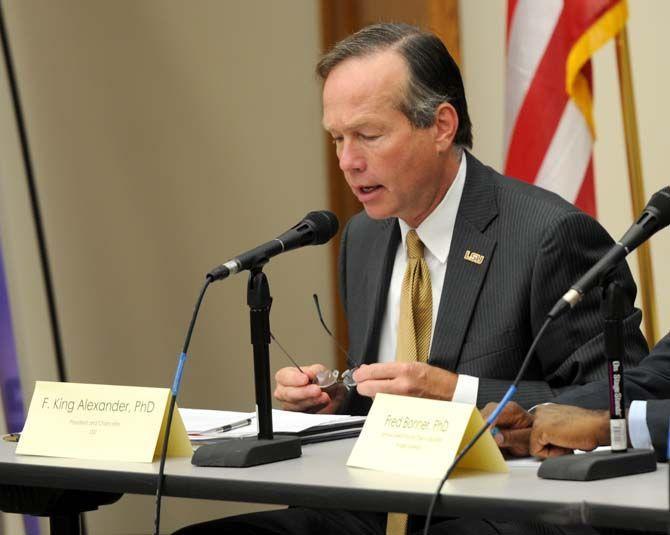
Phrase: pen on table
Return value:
(12, 437)
(229, 427)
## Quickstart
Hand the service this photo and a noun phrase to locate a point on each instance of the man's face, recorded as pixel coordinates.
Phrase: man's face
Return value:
(393, 168)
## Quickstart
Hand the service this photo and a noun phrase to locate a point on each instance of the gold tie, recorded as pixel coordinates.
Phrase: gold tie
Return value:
(414, 329)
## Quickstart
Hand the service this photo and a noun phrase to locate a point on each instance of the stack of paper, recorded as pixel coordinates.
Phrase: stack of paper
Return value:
(203, 424)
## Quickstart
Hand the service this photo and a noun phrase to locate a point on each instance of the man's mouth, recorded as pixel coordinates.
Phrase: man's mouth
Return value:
(368, 189)
(367, 194)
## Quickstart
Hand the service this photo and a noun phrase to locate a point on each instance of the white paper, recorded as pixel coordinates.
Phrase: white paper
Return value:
(199, 420)
(534, 462)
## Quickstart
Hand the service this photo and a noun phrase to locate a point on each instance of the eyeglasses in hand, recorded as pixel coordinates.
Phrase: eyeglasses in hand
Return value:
(327, 378)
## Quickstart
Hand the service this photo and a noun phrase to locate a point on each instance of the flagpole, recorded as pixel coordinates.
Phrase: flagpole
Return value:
(635, 181)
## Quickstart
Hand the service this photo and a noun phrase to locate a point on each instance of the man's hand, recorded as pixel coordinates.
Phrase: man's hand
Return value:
(559, 429)
(296, 391)
(416, 379)
(514, 428)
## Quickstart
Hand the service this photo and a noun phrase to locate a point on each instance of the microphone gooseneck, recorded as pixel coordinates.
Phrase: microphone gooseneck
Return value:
(654, 217)
(174, 391)
(316, 228)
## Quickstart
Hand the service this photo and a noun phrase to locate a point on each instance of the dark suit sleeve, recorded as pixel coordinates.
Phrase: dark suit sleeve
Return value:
(571, 350)
(649, 380)
(658, 413)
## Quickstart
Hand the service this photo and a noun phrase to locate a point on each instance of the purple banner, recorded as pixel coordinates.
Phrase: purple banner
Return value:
(10, 380)
(10, 383)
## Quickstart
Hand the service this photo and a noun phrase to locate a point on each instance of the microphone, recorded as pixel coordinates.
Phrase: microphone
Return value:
(315, 228)
(654, 217)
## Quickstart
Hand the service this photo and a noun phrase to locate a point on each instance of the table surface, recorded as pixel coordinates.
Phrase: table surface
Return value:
(320, 479)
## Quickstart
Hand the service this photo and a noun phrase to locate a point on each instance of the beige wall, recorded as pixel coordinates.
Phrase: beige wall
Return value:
(167, 137)
(483, 49)
(159, 127)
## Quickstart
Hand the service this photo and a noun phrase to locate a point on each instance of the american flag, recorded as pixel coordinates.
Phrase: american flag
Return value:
(549, 128)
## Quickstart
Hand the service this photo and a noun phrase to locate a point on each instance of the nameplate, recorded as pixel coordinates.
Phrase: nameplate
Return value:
(102, 422)
(421, 437)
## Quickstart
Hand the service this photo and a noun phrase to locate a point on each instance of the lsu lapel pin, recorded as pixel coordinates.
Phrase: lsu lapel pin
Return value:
(475, 258)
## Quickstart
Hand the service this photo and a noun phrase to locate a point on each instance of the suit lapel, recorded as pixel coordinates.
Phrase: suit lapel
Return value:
(466, 270)
(377, 281)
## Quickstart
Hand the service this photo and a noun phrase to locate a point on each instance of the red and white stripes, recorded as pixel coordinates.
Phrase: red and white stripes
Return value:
(549, 130)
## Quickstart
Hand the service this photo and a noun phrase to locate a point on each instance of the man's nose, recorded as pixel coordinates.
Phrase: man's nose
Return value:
(350, 157)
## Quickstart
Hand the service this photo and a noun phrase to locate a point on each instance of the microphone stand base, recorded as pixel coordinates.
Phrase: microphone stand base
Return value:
(242, 452)
(598, 465)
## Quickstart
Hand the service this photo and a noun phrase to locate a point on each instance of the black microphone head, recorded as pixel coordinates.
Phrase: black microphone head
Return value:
(324, 226)
(654, 217)
(660, 205)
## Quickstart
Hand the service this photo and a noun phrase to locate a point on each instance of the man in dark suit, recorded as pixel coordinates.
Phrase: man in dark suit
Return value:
(494, 256)
(500, 252)
(649, 380)
(556, 428)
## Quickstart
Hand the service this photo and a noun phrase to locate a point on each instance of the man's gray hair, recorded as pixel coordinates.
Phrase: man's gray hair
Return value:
(434, 77)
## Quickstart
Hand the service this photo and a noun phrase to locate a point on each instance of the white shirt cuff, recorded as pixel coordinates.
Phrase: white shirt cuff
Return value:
(466, 389)
(637, 426)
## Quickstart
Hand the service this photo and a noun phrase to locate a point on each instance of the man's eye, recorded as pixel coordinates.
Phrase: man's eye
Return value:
(368, 137)
(336, 140)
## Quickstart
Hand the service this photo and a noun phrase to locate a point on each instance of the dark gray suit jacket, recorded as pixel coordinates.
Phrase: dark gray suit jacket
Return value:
(535, 245)
(658, 413)
(649, 380)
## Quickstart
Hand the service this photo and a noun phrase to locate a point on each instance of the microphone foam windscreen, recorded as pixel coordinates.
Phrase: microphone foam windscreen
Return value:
(325, 225)
(661, 202)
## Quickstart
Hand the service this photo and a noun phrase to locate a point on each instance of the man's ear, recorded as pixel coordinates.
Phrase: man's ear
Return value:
(446, 125)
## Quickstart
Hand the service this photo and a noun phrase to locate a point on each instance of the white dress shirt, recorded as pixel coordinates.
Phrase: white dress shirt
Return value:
(638, 430)
(435, 232)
